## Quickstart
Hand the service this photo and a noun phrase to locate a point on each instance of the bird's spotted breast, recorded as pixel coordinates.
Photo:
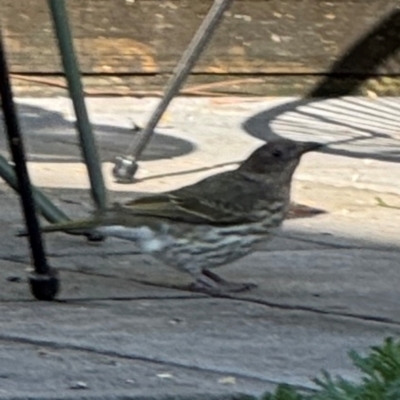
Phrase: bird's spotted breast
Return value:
(208, 246)
(192, 247)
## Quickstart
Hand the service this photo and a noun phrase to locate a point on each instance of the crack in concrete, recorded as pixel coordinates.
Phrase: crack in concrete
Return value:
(252, 300)
(20, 259)
(107, 395)
(284, 306)
(329, 245)
(136, 357)
(281, 306)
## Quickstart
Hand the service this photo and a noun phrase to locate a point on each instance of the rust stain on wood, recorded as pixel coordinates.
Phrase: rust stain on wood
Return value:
(115, 49)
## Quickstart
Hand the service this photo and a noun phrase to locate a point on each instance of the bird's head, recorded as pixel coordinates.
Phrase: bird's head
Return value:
(278, 158)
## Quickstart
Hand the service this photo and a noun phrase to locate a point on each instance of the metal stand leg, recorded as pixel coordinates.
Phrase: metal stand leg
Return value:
(126, 167)
(44, 281)
(89, 150)
(44, 205)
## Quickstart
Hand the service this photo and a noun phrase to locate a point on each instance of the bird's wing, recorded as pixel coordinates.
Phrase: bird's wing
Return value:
(223, 199)
(162, 206)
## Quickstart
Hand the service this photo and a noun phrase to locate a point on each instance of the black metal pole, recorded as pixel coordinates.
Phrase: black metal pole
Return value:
(25, 190)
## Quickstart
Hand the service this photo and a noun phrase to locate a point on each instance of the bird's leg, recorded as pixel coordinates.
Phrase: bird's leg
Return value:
(230, 286)
(205, 285)
(213, 276)
(211, 283)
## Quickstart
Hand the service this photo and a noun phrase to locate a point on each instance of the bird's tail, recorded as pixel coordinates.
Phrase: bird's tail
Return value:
(69, 226)
(81, 226)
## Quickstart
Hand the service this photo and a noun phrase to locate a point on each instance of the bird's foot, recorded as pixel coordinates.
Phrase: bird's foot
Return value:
(229, 286)
(213, 285)
(220, 290)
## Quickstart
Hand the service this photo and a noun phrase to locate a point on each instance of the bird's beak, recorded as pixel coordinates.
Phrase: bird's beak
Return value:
(310, 146)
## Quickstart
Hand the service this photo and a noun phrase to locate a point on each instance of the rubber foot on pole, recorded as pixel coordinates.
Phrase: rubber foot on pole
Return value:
(95, 237)
(44, 286)
(124, 170)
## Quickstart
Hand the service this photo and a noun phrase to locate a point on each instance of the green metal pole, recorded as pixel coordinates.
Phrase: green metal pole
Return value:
(89, 150)
(44, 205)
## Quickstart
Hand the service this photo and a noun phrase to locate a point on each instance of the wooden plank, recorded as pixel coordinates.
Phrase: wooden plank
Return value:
(210, 85)
(148, 36)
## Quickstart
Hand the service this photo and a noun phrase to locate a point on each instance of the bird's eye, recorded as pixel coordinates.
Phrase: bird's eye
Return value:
(277, 153)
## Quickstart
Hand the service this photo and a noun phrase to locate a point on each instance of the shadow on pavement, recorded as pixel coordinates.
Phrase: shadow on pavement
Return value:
(370, 126)
(49, 137)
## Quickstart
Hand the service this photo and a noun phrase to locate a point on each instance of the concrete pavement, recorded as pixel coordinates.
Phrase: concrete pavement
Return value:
(327, 284)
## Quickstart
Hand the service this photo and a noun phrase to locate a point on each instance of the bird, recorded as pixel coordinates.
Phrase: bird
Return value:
(213, 222)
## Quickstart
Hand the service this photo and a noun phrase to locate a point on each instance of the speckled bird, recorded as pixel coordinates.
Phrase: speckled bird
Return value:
(211, 223)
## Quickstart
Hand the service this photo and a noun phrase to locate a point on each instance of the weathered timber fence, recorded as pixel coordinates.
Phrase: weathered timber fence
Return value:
(275, 47)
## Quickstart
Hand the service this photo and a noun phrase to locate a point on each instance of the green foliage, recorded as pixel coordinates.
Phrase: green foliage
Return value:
(284, 392)
(380, 380)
